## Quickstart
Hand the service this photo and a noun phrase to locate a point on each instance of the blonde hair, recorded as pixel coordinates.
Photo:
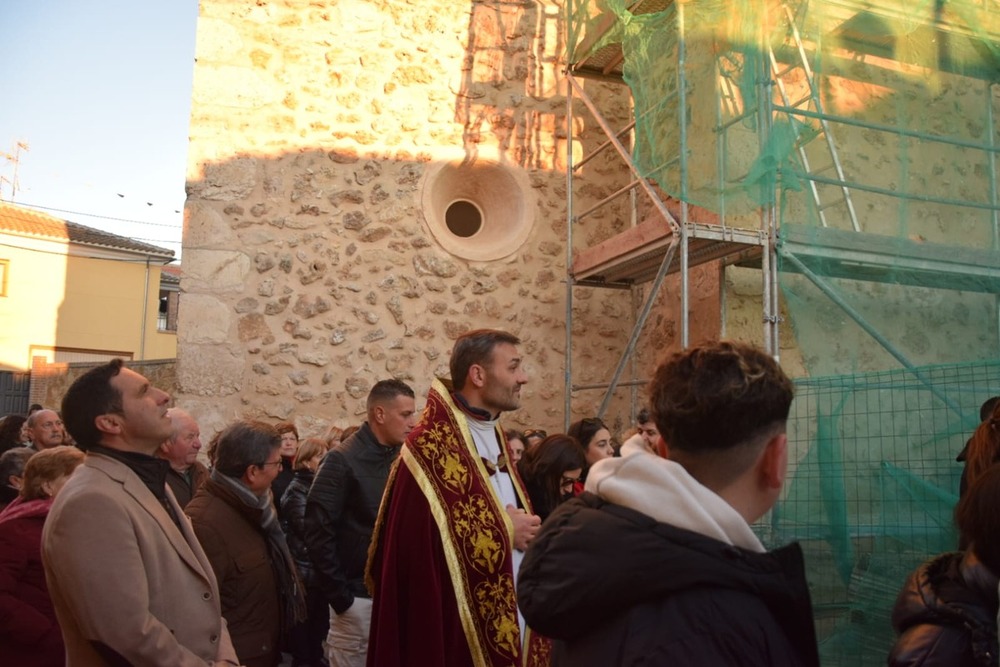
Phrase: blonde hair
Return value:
(335, 433)
(48, 466)
(308, 450)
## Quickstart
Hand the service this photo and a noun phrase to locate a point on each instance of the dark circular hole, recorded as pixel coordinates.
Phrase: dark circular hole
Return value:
(463, 219)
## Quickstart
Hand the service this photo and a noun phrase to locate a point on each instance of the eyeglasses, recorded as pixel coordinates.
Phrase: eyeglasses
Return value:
(568, 481)
(535, 433)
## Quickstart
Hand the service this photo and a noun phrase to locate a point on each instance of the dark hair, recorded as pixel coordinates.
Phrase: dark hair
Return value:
(48, 466)
(10, 431)
(90, 396)
(977, 518)
(643, 416)
(542, 469)
(475, 347)
(287, 427)
(986, 409)
(243, 444)
(514, 434)
(717, 396)
(984, 447)
(535, 433)
(585, 430)
(387, 390)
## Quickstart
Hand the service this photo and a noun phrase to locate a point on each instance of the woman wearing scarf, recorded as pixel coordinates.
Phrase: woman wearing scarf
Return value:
(29, 631)
(234, 518)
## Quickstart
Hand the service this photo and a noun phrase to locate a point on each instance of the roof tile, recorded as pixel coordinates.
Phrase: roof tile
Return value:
(35, 223)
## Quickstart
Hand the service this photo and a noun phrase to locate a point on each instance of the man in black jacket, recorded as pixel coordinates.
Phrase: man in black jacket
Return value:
(340, 515)
(694, 586)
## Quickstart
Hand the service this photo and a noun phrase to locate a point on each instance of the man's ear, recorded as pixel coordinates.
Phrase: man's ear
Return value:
(477, 375)
(109, 423)
(378, 414)
(15, 482)
(773, 464)
(250, 473)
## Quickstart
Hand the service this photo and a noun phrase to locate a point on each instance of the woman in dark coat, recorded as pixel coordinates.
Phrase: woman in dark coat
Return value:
(29, 631)
(306, 640)
(550, 471)
(289, 447)
(946, 614)
(10, 432)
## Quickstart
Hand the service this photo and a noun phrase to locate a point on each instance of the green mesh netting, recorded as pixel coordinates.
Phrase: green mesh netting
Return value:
(871, 489)
(868, 132)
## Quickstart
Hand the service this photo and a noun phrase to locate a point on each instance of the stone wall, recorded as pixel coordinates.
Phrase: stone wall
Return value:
(310, 267)
(317, 259)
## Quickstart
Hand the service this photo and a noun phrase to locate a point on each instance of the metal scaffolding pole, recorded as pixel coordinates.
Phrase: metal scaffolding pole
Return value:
(568, 363)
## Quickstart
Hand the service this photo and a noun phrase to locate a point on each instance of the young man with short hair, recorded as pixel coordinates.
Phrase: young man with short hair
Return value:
(340, 516)
(656, 563)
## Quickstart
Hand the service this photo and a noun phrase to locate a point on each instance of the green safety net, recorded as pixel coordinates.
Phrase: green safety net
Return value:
(865, 135)
(872, 485)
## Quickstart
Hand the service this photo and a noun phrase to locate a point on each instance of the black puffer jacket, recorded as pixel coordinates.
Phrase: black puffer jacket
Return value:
(946, 615)
(340, 514)
(615, 587)
(293, 522)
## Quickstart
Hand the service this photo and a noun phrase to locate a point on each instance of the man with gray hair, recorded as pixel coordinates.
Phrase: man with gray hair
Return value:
(235, 520)
(187, 473)
(12, 464)
(45, 429)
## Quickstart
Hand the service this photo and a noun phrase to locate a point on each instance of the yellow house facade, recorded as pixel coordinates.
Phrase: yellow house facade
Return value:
(73, 293)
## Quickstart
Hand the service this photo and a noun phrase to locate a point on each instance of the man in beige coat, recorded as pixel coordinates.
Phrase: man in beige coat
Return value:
(129, 582)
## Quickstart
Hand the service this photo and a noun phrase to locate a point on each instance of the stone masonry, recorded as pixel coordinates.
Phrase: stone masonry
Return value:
(309, 269)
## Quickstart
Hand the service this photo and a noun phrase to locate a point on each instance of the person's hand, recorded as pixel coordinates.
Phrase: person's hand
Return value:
(525, 526)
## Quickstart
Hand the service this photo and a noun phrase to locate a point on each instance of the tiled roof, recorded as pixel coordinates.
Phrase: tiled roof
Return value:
(35, 223)
(170, 275)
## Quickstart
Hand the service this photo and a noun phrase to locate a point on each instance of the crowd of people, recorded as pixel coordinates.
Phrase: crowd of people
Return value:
(440, 538)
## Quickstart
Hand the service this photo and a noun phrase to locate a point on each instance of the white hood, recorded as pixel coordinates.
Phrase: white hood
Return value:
(664, 491)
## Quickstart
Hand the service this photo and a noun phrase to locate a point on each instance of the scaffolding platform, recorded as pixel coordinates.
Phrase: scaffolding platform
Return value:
(887, 259)
(634, 256)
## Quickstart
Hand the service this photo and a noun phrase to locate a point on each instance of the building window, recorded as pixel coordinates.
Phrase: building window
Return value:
(167, 316)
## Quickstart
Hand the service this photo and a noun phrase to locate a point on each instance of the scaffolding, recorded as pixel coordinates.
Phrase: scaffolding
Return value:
(781, 189)
(847, 150)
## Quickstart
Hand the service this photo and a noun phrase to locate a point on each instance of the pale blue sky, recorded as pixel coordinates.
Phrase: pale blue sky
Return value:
(101, 92)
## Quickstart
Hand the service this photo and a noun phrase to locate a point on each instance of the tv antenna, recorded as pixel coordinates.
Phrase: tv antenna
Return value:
(14, 158)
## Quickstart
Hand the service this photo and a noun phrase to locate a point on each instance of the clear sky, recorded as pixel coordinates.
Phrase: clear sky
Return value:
(100, 91)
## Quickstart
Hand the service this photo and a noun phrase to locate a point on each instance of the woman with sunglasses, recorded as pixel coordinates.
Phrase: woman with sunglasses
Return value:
(550, 471)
